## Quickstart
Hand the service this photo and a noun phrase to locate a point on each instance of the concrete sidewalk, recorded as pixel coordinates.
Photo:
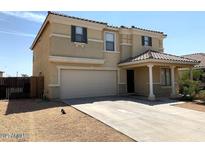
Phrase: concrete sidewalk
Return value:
(144, 122)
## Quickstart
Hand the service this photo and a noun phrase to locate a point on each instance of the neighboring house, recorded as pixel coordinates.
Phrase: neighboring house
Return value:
(85, 58)
(1, 74)
(200, 57)
(197, 56)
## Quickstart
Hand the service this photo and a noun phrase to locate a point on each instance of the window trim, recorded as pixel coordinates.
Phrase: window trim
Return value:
(166, 85)
(114, 42)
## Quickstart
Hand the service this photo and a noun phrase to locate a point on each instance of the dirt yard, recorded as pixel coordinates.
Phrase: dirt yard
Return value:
(193, 106)
(36, 120)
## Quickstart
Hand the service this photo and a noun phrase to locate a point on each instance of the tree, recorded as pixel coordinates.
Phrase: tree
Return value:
(197, 74)
(24, 75)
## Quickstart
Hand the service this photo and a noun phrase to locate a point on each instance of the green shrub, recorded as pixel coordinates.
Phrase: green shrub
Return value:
(185, 75)
(197, 74)
(201, 95)
(189, 89)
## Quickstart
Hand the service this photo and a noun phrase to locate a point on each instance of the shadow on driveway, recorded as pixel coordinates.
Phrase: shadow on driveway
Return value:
(137, 99)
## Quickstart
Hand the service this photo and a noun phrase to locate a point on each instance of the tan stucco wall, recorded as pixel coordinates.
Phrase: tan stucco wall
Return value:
(122, 81)
(111, 59)
(159, 90)
(61, 45)
(126, 37)
(137, 47)
(125, 52)
(64, 47)
(141, 81)
(131, 45)
(60, 28)
(40, 59)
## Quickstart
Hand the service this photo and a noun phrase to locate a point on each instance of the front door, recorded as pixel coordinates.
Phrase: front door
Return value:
(130, 81)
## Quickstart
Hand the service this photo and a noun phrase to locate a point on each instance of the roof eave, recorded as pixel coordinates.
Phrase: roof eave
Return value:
(199, 67)
(157, 61)
(165, 35)
(40, 32)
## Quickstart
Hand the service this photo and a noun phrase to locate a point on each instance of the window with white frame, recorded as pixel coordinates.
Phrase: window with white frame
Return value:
(165, 76)
(110, 41)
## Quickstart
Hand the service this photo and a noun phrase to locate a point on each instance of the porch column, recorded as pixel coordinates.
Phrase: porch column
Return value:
(191, 73)
(173, 81)
(118, 81)
(151, 94)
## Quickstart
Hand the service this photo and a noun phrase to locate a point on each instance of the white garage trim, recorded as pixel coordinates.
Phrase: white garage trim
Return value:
(79, 68)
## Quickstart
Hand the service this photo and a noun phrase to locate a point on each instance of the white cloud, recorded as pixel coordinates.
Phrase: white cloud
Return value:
(17, 33)
(31, 16)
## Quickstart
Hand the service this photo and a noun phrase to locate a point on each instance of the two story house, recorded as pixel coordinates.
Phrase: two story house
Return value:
(85, 58)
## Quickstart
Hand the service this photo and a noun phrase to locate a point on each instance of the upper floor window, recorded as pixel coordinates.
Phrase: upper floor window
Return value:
(165, 76)
(146, 41)
(78, 34)
(110, 41)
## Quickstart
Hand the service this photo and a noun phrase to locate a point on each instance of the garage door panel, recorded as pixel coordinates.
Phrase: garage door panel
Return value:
(87, 83)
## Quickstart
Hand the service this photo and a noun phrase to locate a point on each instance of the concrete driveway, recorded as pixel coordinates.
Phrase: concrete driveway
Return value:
(142, 121)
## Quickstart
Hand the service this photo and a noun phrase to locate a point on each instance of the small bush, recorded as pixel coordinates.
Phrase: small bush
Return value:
(189, 89)
(197, 75)
(201, 95)
(185, 75)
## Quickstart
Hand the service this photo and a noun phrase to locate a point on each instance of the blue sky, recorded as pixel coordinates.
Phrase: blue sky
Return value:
(185, 30)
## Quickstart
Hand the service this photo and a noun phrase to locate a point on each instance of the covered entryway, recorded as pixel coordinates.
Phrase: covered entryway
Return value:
(155, 73)
(88, 83)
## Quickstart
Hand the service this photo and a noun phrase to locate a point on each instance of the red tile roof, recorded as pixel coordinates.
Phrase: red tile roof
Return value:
(197, 56)
(150, 54)
(63, 15)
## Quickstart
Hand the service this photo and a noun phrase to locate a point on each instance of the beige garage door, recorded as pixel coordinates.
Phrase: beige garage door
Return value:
(87, 83)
